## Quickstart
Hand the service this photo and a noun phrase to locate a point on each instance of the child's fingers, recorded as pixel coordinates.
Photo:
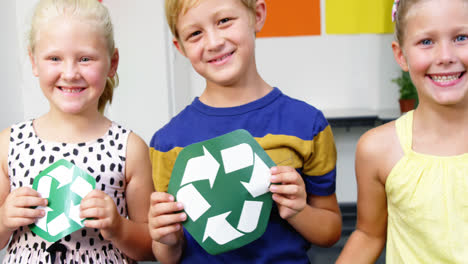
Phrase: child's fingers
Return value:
(29, 201)
(165, 208)
(281, 169)
(167, 220)
(27, 213)
(287, 189)
(92, 203)
(284, 174)
(94, 212)
(98, 223)
(158, 233)
(95, 194)
(25, 191)
(160, 197)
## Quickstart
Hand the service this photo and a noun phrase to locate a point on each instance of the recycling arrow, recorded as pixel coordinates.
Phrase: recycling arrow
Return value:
(219, 229)
(201, 168)
(63, 175)
(224, 190)
(260, 180)
(64, 185)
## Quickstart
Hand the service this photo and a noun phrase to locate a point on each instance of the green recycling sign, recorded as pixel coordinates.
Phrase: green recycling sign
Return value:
(64, 185)
(224, 186)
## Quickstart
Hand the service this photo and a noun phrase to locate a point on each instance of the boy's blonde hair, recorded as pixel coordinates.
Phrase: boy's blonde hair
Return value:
(88, 10)
(174, 8)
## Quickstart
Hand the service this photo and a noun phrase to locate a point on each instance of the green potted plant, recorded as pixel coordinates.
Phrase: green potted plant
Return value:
(408, 94)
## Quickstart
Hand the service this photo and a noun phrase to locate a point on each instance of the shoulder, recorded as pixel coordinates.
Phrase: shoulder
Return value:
(379, 149)
(4, 145)
(168, 136)
(378, 139)
(305, 119)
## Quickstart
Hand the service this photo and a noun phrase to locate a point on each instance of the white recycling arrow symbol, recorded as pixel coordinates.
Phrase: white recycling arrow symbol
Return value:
(219, 229)
(63, 175)
(206, 167)
(201, 168)
(79, 186)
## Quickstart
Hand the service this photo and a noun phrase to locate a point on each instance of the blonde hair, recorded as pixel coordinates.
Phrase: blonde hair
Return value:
(90, 10)
(176, 7)
(401, 16)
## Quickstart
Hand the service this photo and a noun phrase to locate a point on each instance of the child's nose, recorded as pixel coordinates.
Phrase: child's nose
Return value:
(214, 40)
(445, 53)
(70, 71)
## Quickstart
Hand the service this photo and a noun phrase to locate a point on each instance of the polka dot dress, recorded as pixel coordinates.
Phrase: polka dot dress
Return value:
(103, 158)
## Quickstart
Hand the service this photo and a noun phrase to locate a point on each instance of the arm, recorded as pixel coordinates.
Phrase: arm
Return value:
(165, 227)
(367, 241)
(15, 208)
(130, 234)
(306, 212)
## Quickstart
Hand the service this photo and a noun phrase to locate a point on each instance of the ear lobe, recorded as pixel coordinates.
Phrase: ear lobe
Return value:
(33, 62)
(260, 15)
(114, 63)
(399, 56)
(179, 46)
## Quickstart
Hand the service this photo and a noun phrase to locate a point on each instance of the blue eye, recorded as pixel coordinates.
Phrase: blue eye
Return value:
(426, 42)
(54, 58)
(461, 38)
(85, 59)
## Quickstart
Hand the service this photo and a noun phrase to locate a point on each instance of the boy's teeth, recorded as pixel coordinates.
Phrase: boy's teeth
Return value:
(445, 78)
(222, 58)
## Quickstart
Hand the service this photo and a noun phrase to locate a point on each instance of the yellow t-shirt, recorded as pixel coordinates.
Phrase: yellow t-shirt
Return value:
(427, 202)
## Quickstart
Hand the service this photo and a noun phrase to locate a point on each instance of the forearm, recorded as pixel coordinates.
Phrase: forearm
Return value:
(134, 240)
(168, 254)
(361, 248)
(5, 236)
(319, 226)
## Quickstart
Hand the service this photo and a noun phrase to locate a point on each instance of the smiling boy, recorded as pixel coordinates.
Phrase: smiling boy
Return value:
(218, 38)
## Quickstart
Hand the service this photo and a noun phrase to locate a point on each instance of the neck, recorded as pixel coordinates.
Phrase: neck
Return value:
(441, 130)
(249, 90)
(68, 128)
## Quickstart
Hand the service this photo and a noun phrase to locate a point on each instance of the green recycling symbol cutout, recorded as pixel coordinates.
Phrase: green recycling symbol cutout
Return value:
(64, 185)
(223, 183)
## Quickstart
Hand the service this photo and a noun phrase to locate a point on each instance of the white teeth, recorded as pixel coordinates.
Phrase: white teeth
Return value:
(222, 58)
(68, 90)
(445, 78)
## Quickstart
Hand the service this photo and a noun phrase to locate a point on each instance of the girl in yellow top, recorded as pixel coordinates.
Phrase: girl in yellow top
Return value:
(412, 174)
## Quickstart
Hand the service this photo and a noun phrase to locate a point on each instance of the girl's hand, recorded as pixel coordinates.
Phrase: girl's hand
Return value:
(16, 211)
(102, 210)
(289, 191)
(164, 219)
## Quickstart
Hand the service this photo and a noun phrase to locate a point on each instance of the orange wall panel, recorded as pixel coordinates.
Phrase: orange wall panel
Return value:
(291, 18)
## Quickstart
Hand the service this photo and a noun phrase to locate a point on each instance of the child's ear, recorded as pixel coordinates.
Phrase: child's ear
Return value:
(179, 46)
(33, 62)
(260, 15)
(399, 56)
(114, 63)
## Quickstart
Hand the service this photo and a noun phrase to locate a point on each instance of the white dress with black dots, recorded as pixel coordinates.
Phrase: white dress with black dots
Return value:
(103, 158)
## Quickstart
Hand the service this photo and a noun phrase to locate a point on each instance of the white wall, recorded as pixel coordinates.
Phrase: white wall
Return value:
(11, 103)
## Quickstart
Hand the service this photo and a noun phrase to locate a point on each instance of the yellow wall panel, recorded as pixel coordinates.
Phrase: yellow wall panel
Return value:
(358, 16)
